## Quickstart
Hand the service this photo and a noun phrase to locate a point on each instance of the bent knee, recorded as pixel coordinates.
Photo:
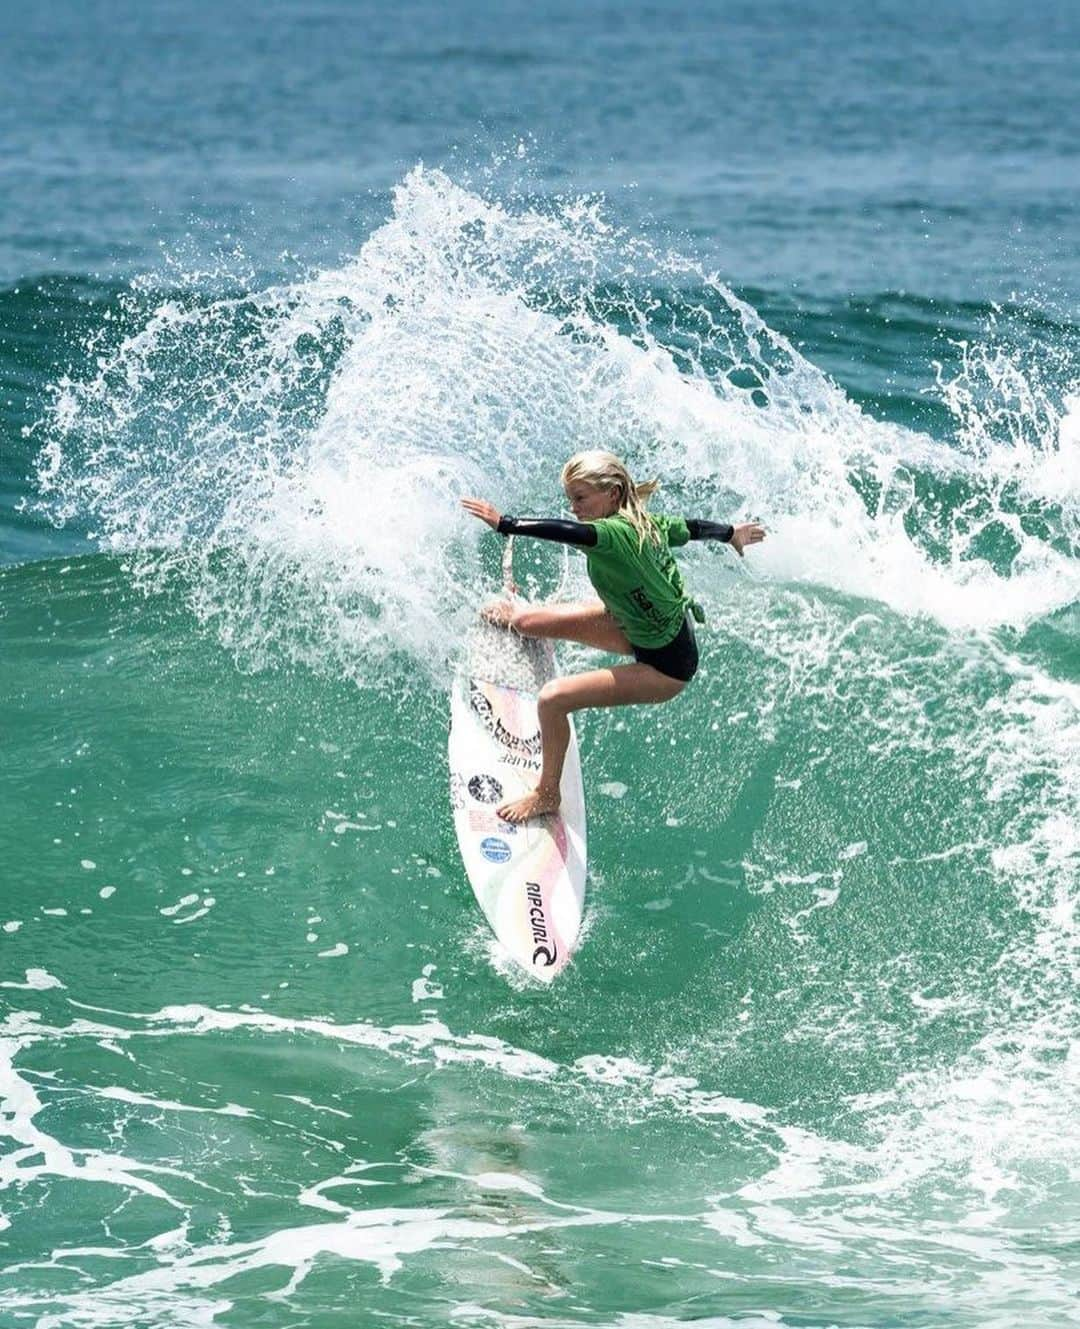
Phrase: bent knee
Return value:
(553, 696)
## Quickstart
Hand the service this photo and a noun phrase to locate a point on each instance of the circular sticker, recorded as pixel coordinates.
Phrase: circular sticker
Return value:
(494, 849)
(485, 788)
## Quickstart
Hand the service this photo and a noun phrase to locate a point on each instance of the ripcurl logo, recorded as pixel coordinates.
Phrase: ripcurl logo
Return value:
(545, 948)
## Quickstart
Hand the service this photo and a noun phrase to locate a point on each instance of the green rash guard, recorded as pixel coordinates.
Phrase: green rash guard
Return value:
(640, 583)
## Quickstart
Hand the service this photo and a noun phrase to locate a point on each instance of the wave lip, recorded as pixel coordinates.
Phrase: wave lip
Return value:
(293, 455)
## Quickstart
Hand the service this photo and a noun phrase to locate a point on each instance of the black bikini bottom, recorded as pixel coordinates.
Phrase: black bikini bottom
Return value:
(678, 659)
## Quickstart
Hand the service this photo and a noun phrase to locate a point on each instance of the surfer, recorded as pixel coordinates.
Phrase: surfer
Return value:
(643, 609)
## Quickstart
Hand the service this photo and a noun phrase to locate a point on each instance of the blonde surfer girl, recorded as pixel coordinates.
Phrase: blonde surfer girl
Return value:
(643, 609)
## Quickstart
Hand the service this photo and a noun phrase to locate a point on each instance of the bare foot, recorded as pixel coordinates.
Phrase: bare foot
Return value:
(540, 803)
(499, 612)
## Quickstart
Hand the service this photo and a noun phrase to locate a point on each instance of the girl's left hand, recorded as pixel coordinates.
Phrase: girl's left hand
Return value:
(476, 507)
(749, 533)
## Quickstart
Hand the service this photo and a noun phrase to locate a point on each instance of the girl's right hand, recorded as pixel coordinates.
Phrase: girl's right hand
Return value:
(476, 507)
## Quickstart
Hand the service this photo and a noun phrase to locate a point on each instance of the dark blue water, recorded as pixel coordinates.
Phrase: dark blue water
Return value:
(820, 146)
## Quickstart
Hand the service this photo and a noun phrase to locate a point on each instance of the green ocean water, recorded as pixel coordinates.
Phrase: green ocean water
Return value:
(814, 1063)
(262, 1045)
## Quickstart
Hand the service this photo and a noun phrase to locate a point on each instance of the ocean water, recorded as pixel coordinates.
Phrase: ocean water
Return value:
(279, 283)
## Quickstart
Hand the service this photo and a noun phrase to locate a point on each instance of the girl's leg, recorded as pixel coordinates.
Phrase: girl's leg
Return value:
(589, 623)
(624, 685)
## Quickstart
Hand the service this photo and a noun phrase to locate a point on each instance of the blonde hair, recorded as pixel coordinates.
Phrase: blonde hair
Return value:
(603, 470)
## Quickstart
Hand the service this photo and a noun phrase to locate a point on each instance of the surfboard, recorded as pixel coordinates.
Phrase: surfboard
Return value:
(529, 879)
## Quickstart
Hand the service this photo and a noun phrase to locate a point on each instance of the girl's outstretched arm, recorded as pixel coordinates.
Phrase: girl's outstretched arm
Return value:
(540, 528)
(709, 530)
(749, 533)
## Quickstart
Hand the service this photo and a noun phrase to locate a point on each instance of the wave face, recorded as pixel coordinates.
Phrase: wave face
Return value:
(815, 1062)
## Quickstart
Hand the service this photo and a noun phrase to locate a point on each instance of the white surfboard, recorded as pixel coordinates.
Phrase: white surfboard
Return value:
(529, 879)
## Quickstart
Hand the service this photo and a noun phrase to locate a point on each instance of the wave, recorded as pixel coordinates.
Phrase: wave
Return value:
(875, 715)
(294, 453)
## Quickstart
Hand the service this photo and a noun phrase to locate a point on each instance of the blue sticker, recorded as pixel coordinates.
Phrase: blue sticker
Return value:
(494, 849)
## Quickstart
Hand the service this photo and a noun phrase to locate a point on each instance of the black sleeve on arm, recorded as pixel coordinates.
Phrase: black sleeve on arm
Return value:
(709, 530)
(550, 528)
